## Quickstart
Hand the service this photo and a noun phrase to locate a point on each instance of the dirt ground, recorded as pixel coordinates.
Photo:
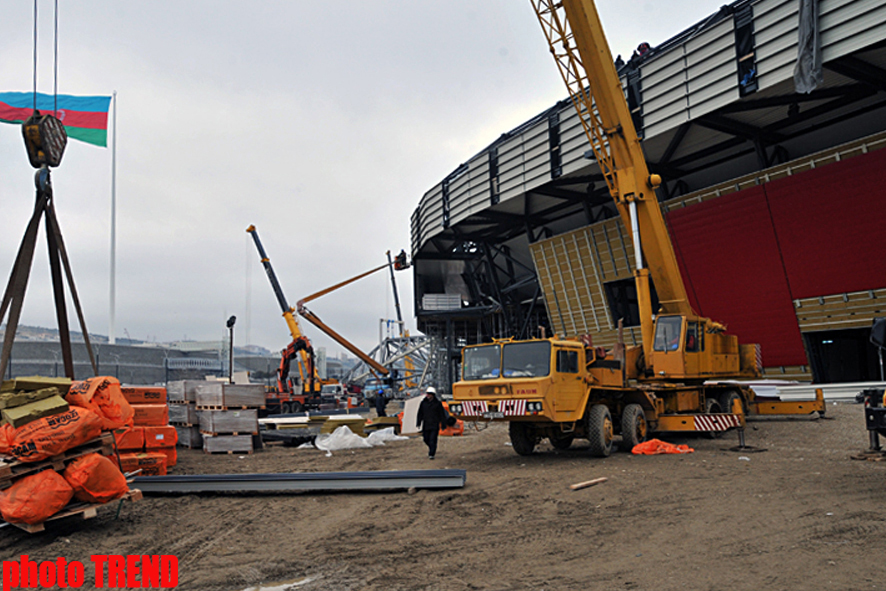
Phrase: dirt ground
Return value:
(801, 515)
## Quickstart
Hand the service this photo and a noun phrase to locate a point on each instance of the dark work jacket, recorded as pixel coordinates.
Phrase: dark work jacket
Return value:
(431, 415)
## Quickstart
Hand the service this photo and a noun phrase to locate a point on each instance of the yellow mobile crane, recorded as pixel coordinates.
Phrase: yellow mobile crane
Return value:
(682, 376)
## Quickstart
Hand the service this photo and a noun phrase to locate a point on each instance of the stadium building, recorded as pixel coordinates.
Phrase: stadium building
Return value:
(771, 193)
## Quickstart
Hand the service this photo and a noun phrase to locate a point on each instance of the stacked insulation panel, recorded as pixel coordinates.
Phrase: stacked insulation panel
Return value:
(149, 445)
(228, 416)
(182, 398)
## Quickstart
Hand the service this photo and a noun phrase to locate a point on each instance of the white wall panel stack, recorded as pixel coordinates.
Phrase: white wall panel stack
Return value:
(573, 142)
(430, 213)
(775, 40)
(850, 25)
(693, 78)
(524, 161)
(469, 192)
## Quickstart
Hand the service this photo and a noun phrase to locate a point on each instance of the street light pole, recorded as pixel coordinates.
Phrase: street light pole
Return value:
(230, 324)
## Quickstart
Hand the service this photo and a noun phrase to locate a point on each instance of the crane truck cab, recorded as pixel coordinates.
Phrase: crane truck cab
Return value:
(696, 348)
(542, 387)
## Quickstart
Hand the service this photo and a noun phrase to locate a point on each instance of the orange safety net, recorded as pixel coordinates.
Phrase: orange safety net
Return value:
(103, 396)
(95, 479)
(657, 446)
(50, 435)
(35, 498)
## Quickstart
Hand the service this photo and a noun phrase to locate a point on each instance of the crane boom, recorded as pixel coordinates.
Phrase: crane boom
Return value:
(578, 44)
(399, 263)
(306, 365)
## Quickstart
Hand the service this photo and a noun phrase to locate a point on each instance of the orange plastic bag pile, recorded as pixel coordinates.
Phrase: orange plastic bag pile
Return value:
(103, 396)
(456, 428)
(95, 479)
(51, 435)
(35, 498)
(656, 446)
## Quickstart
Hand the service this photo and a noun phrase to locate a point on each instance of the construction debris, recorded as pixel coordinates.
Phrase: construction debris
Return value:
(588, 483)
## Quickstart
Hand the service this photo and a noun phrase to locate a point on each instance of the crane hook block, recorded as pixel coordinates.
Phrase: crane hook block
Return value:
(400, 262)
(45, 140)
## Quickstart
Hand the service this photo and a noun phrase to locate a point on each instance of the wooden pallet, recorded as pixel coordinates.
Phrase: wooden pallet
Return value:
(180, 424)
(216, 434)
(12, 470)
(243, 407)
(229, 452)
(85, 510)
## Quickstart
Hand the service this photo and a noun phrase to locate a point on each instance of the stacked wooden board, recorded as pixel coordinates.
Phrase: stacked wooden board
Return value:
(149, 445)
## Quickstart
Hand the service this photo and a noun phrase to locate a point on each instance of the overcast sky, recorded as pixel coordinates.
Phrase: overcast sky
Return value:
(322, 123)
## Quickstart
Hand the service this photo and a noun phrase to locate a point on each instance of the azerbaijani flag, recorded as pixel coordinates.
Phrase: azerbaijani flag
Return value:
(85, 117)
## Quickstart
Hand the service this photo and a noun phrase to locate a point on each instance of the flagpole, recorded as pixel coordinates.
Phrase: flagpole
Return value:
(112, 329)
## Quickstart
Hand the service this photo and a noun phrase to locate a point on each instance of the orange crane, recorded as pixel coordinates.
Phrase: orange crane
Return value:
(311, 384)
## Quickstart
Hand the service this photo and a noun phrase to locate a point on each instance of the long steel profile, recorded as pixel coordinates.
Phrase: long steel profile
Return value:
(381, 480)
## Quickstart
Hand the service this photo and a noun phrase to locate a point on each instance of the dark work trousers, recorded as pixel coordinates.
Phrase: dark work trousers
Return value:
(430, 436)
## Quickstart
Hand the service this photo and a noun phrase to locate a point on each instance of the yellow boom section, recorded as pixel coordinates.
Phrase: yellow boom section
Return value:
(577, 42)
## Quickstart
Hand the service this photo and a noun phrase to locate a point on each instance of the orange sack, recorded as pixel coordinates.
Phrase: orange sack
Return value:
(656, 446)
(103, 396)
(95, 479)
(454, 430)
(50, 435)
(35, 498)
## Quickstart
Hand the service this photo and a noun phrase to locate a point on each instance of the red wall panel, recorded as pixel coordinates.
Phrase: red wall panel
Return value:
(730, 262)
(830, 224)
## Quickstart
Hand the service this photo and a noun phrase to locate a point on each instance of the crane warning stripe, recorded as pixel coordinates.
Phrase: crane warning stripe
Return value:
(473, 408)
(512, 408)
(716, 422)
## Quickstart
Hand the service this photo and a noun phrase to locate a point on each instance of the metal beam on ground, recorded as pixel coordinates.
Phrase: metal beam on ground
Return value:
(309, 481)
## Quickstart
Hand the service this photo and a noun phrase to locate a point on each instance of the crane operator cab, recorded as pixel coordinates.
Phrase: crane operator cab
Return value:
(686, 346)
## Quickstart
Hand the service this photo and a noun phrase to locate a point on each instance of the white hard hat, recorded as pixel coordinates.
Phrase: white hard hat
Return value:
(431, 390)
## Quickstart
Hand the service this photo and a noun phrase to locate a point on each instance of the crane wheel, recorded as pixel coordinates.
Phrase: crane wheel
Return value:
(728, 399)
(634, 429)
(712, 406)
(523, 437)
(600, 430)
(297, 407)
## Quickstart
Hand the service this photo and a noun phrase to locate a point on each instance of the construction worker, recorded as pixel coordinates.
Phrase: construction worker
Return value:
(431, 416)
(381, 403)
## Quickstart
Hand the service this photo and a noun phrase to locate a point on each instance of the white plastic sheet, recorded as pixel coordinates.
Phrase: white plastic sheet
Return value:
(344, 438)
